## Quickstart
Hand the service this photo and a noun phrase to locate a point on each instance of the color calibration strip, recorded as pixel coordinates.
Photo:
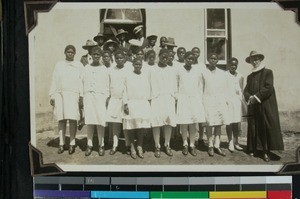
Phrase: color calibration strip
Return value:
(259, 187)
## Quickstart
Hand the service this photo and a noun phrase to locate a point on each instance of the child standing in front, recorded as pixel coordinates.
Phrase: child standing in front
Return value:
(215, 103)
(96, 94)
(137, 111)
(163, 95)
(190, 110)
(117, 75)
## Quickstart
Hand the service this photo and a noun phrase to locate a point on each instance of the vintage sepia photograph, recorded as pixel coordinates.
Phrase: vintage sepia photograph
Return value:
(189, 87)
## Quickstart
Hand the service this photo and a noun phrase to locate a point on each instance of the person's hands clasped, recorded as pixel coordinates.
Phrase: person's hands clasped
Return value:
(252, 100)
(52, 102)
(126, 109)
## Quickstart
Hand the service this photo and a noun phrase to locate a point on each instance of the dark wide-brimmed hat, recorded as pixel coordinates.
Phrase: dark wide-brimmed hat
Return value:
(253, 53)
(105, 45)
(89, 43)
(99, 36)
(171, 42)
(152, 37)
(120, 32)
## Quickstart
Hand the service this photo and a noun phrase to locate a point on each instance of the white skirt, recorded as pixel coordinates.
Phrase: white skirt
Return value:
(235, 110)
(190, 110)
(163, 111)
(66, 106)
(94, 108)
(216, 110)
(139, 115)
(115, 110)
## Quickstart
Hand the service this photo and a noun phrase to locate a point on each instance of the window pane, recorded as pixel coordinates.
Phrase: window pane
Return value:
(216, 18)
(133, 14)
(114, 14)
(217, 45)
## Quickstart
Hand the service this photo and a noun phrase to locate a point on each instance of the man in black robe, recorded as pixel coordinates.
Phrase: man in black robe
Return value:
(264, 133)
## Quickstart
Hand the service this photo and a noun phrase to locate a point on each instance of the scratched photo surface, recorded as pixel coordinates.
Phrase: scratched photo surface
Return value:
(228, 30)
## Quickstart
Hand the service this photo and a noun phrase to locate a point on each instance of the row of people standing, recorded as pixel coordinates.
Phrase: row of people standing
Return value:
(197, 100)
(176, 95)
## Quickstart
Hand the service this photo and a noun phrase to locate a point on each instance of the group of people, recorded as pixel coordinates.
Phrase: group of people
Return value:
(133, 86)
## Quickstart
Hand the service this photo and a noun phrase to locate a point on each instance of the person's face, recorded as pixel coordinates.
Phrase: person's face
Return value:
(137, 65)
(196, 53)
(111, 47)
(100, 41)
(213, 60)
(170, 48)
(171, 57)
(189, 60)
(233, 66)
(70, 54)
(152, 42)
(120, 59)
(181, 53)
(163, 41)
(96, 56)
(121, 37)
(106, 58)
(255, 61)
(163, 58)
(151, 58)
(140, 55)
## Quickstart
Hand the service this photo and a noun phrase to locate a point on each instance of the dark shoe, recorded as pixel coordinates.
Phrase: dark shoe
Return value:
(101, 151)
(88, 151)
(60, 149)
(169, 151)
(251, 154)
(140, 153)
(185, 150)
(157, 152)
(128, 150)
(210, 151)
(133, 154)
(71, 149)
(220, 152)
(193, 151)
(113, 151)
(266, 157)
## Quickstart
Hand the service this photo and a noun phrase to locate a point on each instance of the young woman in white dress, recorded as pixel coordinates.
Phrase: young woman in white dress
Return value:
(215, 103)
(236, 102)
(117, 75)
(137, 110)
(66, 96)
(163, 97)
(190, 110)
(96, 94)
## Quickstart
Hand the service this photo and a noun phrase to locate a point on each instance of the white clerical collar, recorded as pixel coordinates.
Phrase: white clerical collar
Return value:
(262, 66)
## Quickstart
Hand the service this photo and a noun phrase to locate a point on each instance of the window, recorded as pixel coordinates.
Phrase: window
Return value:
(126, 16)
(217, 37)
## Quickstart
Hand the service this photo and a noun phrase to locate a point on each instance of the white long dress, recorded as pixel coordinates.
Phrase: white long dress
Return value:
(117, 78)
(163, 96)
(66, 88)
(190, 96)
(215, 97)
(136, 95)
(96, 91)
(235, 97)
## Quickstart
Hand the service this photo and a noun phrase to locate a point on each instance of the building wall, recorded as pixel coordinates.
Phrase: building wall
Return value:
(271, 32)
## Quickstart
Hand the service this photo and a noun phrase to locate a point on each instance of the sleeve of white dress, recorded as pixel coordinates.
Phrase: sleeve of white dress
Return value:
(107, 83)
(201, 82)
(81, 79)
(125, 94)
(53, 83)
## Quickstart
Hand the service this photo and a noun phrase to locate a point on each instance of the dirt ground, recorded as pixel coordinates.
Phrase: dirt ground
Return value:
(47, 143)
